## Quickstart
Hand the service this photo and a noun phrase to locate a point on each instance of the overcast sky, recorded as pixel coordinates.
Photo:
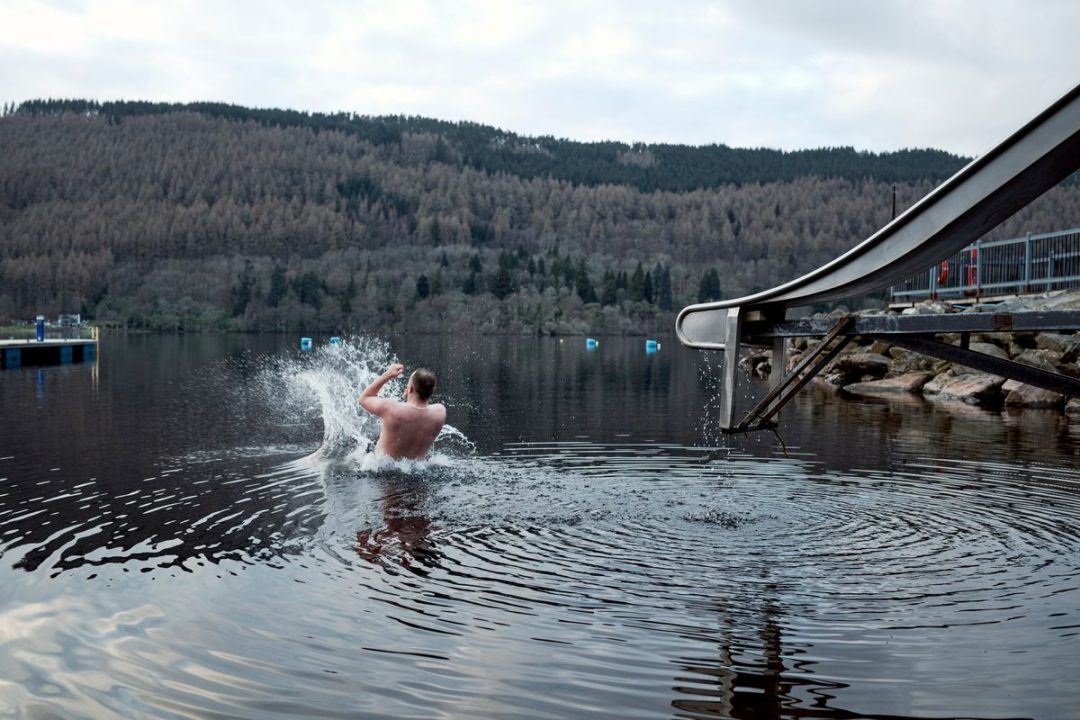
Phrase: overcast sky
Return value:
(875, 74)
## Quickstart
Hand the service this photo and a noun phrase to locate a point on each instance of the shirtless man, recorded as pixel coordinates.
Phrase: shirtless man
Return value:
(409, 427)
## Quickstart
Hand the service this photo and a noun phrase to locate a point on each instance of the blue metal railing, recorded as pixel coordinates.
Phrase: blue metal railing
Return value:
(1029, 264)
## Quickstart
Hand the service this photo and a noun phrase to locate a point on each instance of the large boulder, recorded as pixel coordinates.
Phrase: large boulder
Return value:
(908, 383)
(879, 347)
(973, 389)
(941, 379)
(905, 361)
(757, 363)
(1042, 359)
(859, 365)
(1019, 394)
(999, 339)
(991, 349)
(929, 307)
(1065, 300)
(1066, 346)
(986, 349)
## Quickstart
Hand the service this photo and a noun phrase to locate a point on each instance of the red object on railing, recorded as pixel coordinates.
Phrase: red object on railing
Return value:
(973, 268)
(943, 273)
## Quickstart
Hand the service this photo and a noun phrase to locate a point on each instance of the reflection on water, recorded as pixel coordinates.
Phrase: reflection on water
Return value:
(180, 536)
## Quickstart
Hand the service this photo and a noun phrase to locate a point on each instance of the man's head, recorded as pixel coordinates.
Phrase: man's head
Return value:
(422, 383)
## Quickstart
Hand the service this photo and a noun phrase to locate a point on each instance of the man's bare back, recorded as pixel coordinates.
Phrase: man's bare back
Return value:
(409, 426)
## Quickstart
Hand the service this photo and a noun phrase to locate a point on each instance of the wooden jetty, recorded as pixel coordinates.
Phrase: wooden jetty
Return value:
(51, 351)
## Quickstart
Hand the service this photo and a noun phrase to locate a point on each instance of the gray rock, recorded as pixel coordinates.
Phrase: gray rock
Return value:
(1020, 395)
(1042, 359)
(999, 339)
(1073, 406)
(973, 389)
(905, 361)
(1065, 300)
(989, 349)
(856, 365)
(757, 363)
(985, 348)
(908, 383)
(1057, 342)
(929, 307)
(879, 347)
(940, 380)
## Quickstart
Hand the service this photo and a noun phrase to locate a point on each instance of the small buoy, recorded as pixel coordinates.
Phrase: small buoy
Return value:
(591, 343)
(652, 345)
(335, 340)
(305, 343)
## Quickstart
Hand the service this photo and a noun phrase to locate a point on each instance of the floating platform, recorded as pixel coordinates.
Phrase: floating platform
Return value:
(17, 353)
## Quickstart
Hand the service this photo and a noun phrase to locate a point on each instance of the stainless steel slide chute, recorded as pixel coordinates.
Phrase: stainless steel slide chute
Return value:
(987, 191)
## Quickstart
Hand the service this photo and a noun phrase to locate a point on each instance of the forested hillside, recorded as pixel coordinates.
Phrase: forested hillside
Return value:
(218, 217)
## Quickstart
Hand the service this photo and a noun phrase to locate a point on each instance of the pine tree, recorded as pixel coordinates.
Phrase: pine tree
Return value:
(709, 289)
(636, 290)
(663, 291)
(609, 294)
(309, 289)
(648, 290)
(348, 295)
(278, 286)
(582, 283)
(423, 287)
(569, 273)
(242, 291)
(503, 285)
(471, 286)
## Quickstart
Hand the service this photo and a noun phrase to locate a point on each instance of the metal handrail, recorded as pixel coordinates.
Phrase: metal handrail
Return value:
(1030, 264)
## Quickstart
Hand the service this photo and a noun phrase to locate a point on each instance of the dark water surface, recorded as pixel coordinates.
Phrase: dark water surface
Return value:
(171, 547)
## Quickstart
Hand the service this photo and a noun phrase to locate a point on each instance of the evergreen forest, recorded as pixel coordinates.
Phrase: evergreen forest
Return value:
(213, 217)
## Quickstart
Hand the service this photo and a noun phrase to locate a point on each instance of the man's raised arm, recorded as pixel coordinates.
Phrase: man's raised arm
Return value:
(370, 400)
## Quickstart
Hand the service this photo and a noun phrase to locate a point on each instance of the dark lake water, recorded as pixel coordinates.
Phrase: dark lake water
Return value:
(189, 529)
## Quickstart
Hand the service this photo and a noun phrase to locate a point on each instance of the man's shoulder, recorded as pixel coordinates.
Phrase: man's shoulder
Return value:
(395, 405)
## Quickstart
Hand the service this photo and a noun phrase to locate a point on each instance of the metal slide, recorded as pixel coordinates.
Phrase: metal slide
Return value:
(980, 196)
(991, 188)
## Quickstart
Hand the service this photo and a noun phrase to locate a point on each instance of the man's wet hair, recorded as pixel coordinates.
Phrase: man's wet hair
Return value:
(423, 382)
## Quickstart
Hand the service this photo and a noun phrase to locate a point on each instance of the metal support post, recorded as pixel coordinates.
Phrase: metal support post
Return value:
(732, 335)
(779, 361)
(978, 268)
(1027, 263)
(781, 394)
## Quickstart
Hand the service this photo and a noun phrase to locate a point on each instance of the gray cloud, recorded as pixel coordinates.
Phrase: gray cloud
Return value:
(880, 75)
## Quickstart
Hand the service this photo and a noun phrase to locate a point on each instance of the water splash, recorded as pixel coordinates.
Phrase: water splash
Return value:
(325, 384)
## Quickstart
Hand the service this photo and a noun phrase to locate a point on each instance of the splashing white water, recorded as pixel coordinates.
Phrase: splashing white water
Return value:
(327, 382)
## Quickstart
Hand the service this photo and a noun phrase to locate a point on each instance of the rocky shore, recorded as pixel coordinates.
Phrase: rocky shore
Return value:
(873, 368)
